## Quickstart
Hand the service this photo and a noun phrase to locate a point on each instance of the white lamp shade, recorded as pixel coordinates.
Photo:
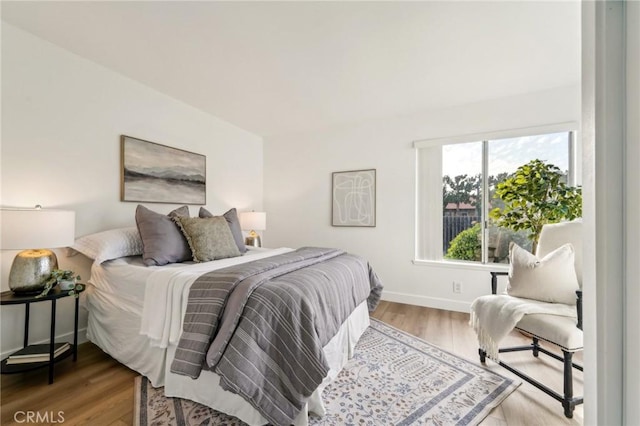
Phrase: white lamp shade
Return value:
(36, 228)
(253, 221)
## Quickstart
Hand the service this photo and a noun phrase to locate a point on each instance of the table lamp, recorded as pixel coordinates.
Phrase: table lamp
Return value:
(28, 230)
(253, 221)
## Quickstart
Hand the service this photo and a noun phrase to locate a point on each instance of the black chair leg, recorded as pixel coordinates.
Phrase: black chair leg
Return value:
(566, 399)
(568, 403)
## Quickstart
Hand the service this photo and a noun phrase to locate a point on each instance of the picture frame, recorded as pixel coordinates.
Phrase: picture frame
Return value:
(353, 198)
(155, 173)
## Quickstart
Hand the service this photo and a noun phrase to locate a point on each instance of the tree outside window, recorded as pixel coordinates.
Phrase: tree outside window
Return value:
(535, 166)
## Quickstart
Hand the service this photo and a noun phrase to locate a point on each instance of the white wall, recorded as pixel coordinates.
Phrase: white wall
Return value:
(298, 188)
(62, 117)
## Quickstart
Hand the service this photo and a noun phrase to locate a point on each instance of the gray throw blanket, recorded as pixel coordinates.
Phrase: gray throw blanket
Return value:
(261, 326)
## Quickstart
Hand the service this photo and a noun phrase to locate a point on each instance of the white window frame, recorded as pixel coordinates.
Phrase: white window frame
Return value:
(428, 214)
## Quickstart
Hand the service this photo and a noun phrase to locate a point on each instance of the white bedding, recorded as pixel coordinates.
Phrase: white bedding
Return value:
(135, 315)
(127, 276)
(167, 293)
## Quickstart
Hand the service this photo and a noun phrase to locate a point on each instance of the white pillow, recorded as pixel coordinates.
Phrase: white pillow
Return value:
(550, 279)
(110, 244)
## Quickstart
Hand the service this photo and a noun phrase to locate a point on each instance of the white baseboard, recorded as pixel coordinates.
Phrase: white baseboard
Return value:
(430, 302)
(67, 337)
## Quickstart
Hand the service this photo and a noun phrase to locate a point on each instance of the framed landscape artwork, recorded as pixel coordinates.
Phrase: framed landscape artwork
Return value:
(156, 173)
(354, 198)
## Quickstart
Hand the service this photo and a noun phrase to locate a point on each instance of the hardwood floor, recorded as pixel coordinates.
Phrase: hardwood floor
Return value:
(97, 390)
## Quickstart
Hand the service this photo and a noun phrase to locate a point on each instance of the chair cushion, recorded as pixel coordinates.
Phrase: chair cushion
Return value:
(561, 331)
(550, 279)
(557, 234)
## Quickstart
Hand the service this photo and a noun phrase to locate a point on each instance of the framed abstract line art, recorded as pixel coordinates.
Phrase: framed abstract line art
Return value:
(354, 198)
(156, 173)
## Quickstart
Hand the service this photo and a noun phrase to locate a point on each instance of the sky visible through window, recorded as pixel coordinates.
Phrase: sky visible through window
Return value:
(506, 155)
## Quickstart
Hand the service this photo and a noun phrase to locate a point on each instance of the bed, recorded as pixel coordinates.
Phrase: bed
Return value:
(137, 315)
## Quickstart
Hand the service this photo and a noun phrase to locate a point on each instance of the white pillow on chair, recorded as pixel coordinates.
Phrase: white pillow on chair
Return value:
(550, 279)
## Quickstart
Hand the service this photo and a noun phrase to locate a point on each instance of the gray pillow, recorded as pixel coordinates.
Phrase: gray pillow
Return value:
(209, 238)
(162, 240)
(231, 216)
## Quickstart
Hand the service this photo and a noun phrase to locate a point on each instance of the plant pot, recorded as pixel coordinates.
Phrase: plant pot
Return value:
(66, 285)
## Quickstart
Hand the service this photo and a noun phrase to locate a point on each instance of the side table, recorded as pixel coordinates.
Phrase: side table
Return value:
(10, 298)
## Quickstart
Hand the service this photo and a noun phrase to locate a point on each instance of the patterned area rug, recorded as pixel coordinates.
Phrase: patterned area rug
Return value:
(394, 378)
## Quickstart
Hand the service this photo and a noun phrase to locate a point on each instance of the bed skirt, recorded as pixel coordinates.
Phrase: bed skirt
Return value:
(114, 326)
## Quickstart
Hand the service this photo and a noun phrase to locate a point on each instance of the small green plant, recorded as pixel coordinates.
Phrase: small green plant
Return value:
(55, 277)
(536, 194)
(63, 275)
(466, 245)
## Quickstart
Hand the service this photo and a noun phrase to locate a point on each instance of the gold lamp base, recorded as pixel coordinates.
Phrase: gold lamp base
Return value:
(253, 240)
(31, 270)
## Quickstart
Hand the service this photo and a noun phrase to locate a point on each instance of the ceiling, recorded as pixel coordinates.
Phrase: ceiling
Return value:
(281, 67)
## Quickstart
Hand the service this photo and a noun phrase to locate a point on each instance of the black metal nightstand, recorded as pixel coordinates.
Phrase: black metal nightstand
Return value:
(10, 298)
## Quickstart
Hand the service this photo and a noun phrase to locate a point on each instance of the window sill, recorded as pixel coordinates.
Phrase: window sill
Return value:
(494, 267)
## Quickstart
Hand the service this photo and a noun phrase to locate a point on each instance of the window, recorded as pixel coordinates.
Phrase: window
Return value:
(456, 182)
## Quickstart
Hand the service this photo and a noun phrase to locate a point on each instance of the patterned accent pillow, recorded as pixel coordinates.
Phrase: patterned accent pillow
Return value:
(550, 279)
(162, 240)
(111, 244)
(209, 238)
(231, 217)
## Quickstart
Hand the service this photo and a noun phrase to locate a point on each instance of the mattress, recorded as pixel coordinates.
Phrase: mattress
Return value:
(123, 324)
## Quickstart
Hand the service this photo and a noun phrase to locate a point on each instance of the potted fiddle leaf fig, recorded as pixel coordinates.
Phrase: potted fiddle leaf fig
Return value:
(534, 195)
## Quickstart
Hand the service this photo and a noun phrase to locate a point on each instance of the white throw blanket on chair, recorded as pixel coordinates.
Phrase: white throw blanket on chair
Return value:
(494, 316)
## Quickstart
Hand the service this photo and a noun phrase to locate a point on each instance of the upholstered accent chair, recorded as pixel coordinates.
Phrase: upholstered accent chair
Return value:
(543, 300)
